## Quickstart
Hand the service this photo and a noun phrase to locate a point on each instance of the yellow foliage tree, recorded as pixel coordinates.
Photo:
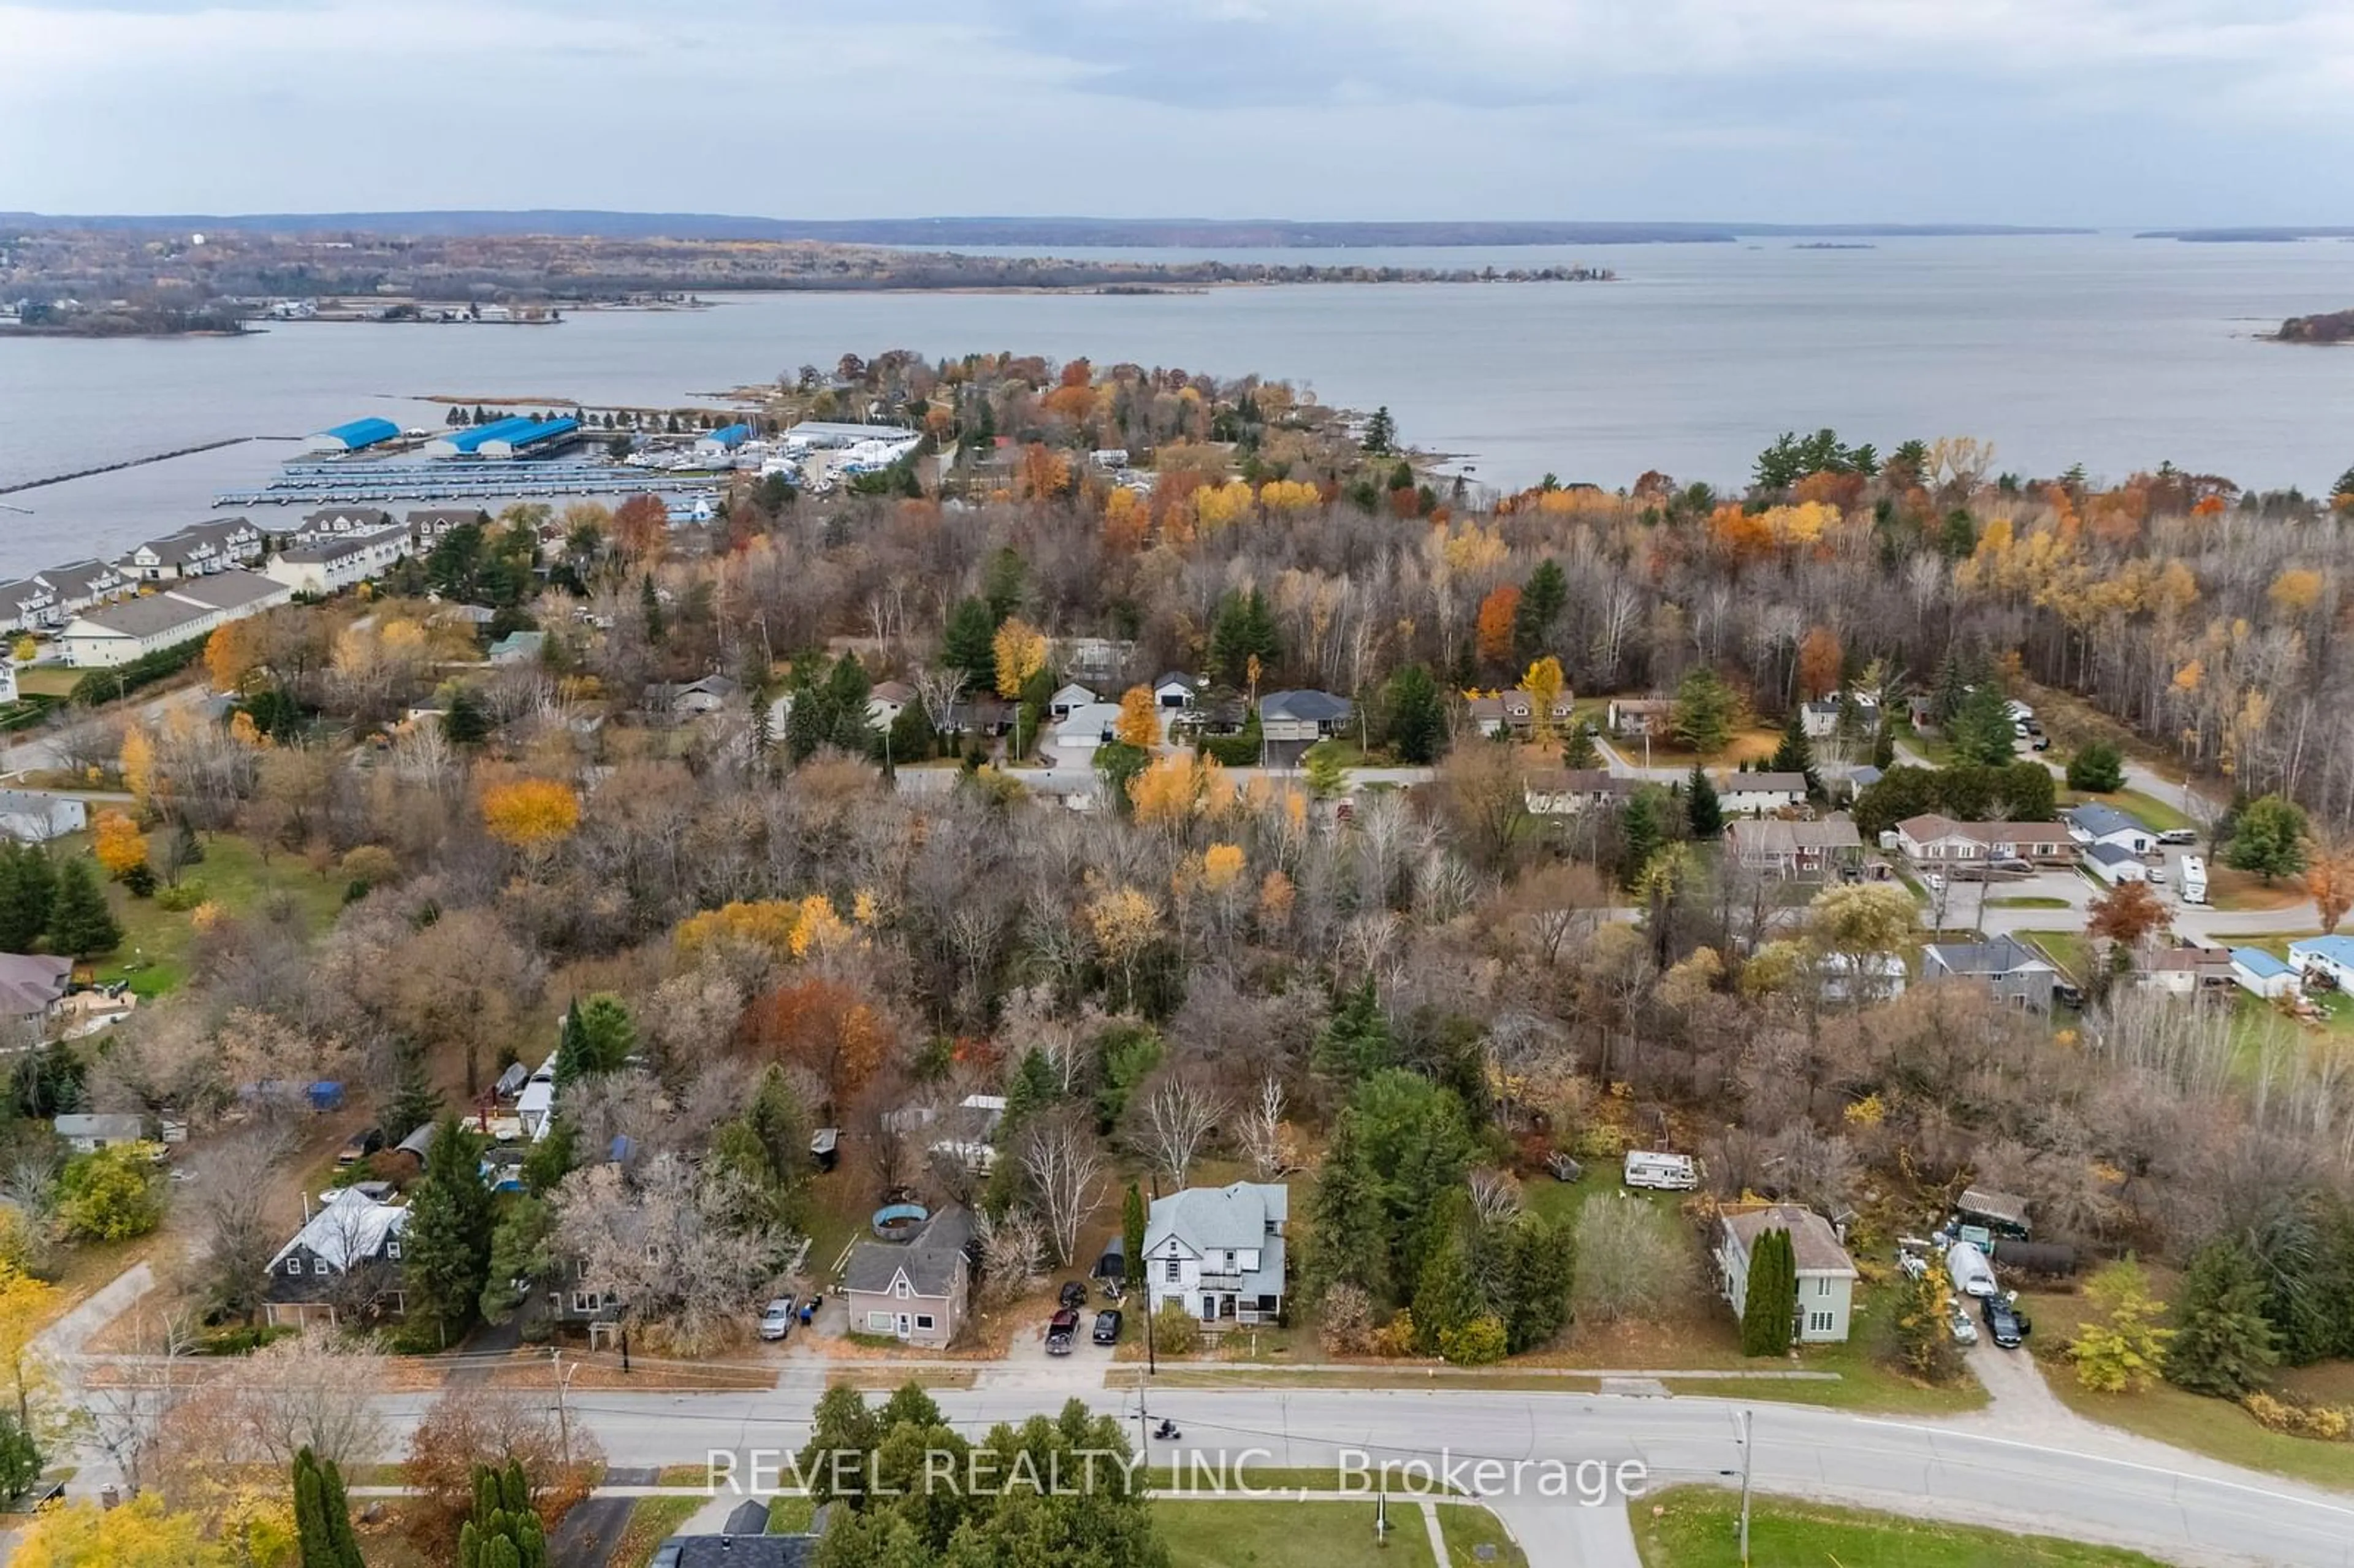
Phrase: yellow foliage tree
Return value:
(818, 926)
(2295, 591)
(141, 1533)
(1290, 495)
(533, 815)
(26, 649)
(1021, 651)
(137, 761)
(1217, 506)
(1276, 896)
(1123, 923)
(1543, 681)
(119, 844)
(1175, 789)
(27, 1305)
(231, 653)
(762, 923)
(1221, 865)
(1139, 720)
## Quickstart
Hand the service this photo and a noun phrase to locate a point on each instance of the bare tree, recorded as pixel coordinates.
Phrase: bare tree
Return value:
(1013, 1254)
(1262, 1130)
(236, 1234)
(1064, 1163)
(937, 691)
(1495, 1195)
(1631, 1263)
(670, 1246)
(1175, 1118)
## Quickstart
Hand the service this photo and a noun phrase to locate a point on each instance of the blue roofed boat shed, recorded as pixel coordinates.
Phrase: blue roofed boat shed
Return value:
(353, 436)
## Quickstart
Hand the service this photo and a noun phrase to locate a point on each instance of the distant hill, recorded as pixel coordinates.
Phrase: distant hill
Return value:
(1045, 232)
(2245, 236)
(2336, 326)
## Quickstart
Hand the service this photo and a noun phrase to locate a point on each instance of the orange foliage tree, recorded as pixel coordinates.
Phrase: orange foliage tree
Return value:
(2329, 877)
(533, 815)
(232, 653)
(119, 844)
(1139, 719)
(824, 1026)
(1495, 632)
(1819, 662)
(641, 524)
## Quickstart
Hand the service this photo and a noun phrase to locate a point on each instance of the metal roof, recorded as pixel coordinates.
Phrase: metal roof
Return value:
(357, 433)
(2100, 820)
(2259, 963)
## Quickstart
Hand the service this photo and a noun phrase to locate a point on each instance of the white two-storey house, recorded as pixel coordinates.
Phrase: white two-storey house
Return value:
(1219, 1251)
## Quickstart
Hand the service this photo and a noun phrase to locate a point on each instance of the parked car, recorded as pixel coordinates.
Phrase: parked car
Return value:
(1936, 881)
(359, 1146)
(2014, 867)
(1075, 1293)
(2157, 875)
(1107, 1327)
(2005, 1325)
(1965, 1331)
(2179, 836)
(1059, 1329)
(776, 1321)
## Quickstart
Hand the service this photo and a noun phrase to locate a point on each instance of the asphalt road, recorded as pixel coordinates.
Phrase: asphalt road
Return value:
(2127, 1493)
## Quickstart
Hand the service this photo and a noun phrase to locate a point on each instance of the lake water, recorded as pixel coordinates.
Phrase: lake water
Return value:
(2116, 353)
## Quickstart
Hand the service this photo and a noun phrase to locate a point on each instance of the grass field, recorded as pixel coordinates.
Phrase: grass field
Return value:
(46, 680)
(1289, 1535)
(2028, 901)
(651, 1522)
(1468, 1530)
(1698, 1527)
(2067, 948)
(2192, 1422)
(154, 952)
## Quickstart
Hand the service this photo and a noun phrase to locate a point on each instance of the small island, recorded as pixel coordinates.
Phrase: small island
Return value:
(2335, 327)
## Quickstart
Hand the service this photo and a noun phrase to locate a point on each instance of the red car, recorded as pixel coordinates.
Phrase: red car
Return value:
(1059, 1329)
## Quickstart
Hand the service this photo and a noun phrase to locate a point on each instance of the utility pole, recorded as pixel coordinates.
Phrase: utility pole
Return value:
(563, 1416)
(1144, 1278)
(1143, 1432)
(1744, 1489)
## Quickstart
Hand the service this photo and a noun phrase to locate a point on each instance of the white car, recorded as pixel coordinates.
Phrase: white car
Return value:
(2179, 836)
(1937, 881)
(1965, 1331)
(2157, 874)
(777, 1321)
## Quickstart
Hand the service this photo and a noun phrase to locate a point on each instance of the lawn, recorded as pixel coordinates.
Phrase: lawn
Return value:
(1468, 1530)
(155, 941)
(1698, 1527)
(2028, 901)
(2215, 1427)
(46, 680)
(652, 1522)
(790, 1516)
(2066, 948)
(1289, 1535)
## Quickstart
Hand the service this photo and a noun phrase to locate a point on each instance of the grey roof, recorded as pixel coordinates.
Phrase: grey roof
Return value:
(24, 590)
(231, 590)
(420, 1139)
(930, 1257)
(736, 1551)
(2101, 820)
(348, 1226)
(1995, 955)
(426, 517)
(338, 546)
(30, 983)
(2111, 855)
(1580, 781)
(357, 514)
(86, 575)
(1310, 707)
(1761, 783)
(121, 1127)
(1812, 1239)
(1218, 1217)
(2008, 1207)
(1174, 677)
(31, 803)
(146, 617)
(1775, 837)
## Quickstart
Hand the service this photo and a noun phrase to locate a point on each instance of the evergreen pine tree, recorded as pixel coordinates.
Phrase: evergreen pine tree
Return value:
(571, 1047)
(1346, 1221)
(81, 925)
(649, 607)
(1981, 729)
(1883, 743)
(1541, 599)
(1640, 832)
(1702, 808)
(1580, 750)
(2222, 1341)
(1132, 1216)
(1418, 716)
(1795, 754)
(27, 887)
(1355, 1042)
(969, 644)
(1771, 1304)
(415, 1101)
(446, 1247)
(464, 722)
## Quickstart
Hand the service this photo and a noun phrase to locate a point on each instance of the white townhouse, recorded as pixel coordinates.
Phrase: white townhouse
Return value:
(1218, 1251)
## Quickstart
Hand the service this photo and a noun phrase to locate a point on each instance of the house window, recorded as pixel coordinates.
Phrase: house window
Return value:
(392, 1249)
(1822, 1287)
(1230, 1263)
(584, 1301)
(1171, 1271)
(924, 1321)
(1819, 1322)
(318, 1265)
(878, 1322)
(293, 1265)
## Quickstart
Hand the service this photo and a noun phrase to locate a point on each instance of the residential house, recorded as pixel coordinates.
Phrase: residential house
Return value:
(1516, 713)
(1291, 722)
(1174, 690)
(87, 1134)
(337, 561)
(1070, 696)
(2331, 956)
(536, 1106)
(428, 525)
(181, 554)
(2098, 824)
(32, 988)
(182, 613)
(1087, 727)
(517, 648)
(344, 1262)
(887, 701)
(1930, 839)
(1827, 1275)
(743, 1542)
(1820, 719)
(1218, 1252)
(1808, 851)
(2258, 972)
(917, 1290)
(239, 542)
(78, 585)
(2009, 970)
(36, 819)
(2185, 970)
(988, 716)
(332, 521)
(1635, 717)
(2114, 865)
(29, 604)
(1566, 791)
(1096, 659)
(1755, 794)
(692, 699)
(1880, 976)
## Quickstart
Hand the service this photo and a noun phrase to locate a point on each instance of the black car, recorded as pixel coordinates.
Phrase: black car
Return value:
(2005, 1325)
(1106, 1327)
(359, 1146)
(1074, 1294)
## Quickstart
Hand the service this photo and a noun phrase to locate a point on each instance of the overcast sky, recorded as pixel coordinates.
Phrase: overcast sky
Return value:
(2093, 112)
